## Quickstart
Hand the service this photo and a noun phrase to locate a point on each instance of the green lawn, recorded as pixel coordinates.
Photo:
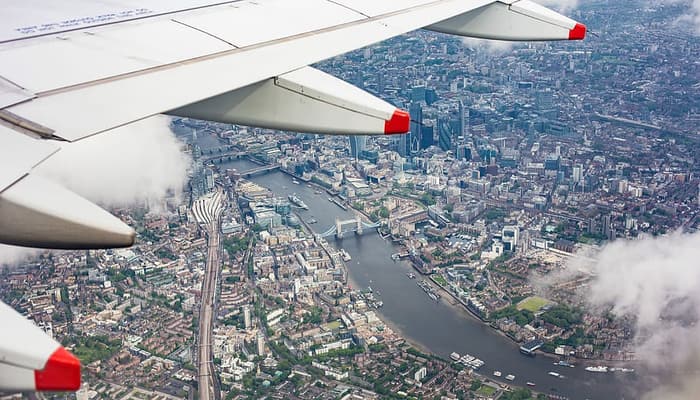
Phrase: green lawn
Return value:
(486, 391)
(440, 280)
(332, 325)
(532, 303)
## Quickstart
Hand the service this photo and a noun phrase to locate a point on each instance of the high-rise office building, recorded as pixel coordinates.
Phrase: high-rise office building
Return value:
(430, 96)
(417, 94)
(247, 321)
(358, 144)
(444, 134)
(402, 145)
(416, 112)
(426, 137)
(462, 118)
(608, 230)
(509, 236)
(544, 99)
(577, 174)
(260, 344)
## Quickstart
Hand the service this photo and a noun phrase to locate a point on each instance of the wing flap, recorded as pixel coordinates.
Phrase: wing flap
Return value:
(11, 94)
(20, 153)
(305, 100)
(35, 212)
(519, 20)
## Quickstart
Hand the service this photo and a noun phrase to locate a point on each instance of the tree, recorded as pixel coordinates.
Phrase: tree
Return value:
(427, 199)
(562, 316)
(384, 212)
(517, 394)
(475, 385)
(521, 317)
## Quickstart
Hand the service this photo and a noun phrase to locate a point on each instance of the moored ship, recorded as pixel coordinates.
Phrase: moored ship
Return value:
(598, 368)
(297, 201)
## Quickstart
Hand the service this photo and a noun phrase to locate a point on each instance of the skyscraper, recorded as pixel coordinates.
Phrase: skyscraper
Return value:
(462, 118)
(260, 344)
(444, 134)
(417, 94)
(246, 317)
(544, 99)
(402, 145)
(608, 230)
(426, 137)
(577, 173)
(358, 144)
(416, 112)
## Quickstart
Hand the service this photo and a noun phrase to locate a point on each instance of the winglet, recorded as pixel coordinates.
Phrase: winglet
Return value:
(578, 32)
(399, 123)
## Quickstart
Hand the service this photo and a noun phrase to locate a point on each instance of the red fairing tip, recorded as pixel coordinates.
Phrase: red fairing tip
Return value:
(578, 33)
(399, 123)
(61, 372)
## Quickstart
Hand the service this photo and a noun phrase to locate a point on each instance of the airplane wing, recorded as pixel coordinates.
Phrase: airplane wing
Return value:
(72, 70)
(30, 360)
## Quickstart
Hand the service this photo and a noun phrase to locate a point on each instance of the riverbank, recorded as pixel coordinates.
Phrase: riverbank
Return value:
(583, 362)
(397, 330)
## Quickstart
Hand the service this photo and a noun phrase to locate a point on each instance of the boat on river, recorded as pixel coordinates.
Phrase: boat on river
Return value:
(564, 364)
(297, 201)
(599, 368)
(626, 370)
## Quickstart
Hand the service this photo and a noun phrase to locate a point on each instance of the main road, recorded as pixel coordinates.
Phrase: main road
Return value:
(207, 211)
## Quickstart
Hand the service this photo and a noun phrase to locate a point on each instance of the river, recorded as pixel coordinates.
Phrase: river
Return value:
(438, 326)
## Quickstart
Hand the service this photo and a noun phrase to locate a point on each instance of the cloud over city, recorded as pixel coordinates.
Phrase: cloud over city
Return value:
(141, 163)
(655, 281)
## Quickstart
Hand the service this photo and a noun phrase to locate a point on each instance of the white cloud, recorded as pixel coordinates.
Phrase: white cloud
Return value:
(135, 164)
(12, 255)
(693, 16)
(559, 5)
(656, 282)
(493, 47)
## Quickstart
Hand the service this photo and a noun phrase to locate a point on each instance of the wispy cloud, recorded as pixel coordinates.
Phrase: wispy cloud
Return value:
(692, 17)
(132, 165)
(141, 162)
(656, 282)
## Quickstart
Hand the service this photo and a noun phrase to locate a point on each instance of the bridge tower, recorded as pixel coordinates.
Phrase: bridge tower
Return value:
(358, 222)
(338, 229)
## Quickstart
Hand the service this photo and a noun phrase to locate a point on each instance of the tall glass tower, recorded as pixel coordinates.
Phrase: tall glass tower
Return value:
(416, 112)
(358, 144)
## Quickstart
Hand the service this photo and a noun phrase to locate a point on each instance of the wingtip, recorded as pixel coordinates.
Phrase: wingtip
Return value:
(578, 32)
(399, 123)
(61, 372)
